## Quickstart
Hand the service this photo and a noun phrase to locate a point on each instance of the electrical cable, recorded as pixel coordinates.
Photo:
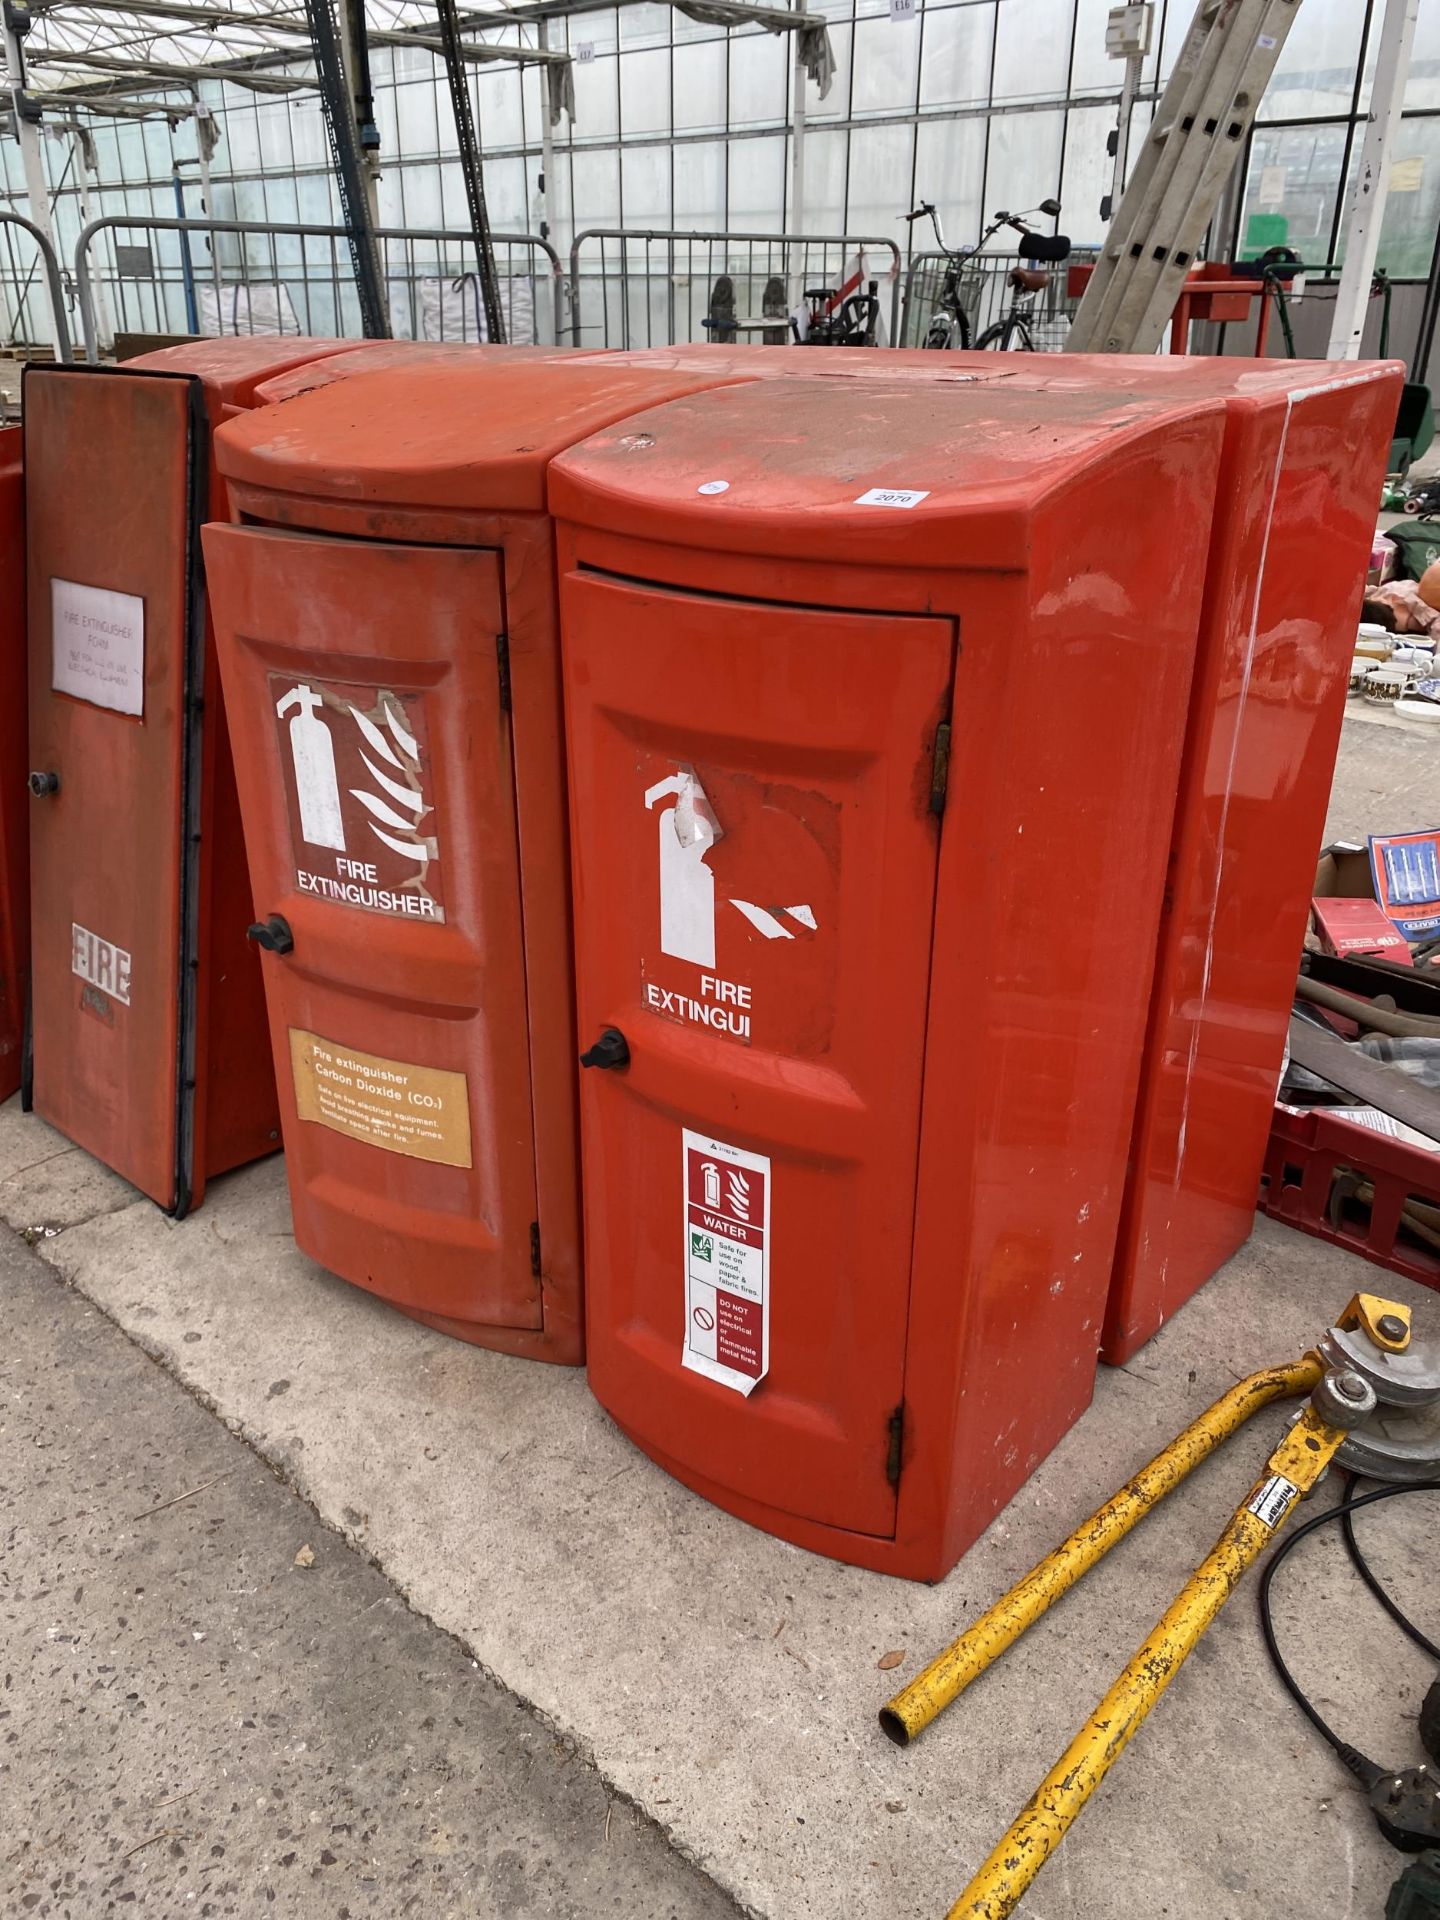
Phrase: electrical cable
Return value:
(1367, 1573)
(1365, 1770)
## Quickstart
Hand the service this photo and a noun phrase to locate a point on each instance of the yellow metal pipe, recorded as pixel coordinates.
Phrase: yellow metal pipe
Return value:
(1293, 1469)
(950, 1672)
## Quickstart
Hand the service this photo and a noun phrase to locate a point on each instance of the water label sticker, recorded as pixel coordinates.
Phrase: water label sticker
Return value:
(360, 797)
(892, 497)
(97, 646)
(422, 1112)
(727, 1262)
(1274, 1499)
(100, 964)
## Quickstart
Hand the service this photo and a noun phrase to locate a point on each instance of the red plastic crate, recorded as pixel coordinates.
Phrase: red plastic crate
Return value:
(1304, 1183)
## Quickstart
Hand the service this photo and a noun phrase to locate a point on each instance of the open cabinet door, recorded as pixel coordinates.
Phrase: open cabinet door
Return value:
(366, 687)
(116, 655)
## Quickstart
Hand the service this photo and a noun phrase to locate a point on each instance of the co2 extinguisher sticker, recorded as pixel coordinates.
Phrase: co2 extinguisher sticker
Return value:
(359, 789)
(727, 1262)
(422, 1112)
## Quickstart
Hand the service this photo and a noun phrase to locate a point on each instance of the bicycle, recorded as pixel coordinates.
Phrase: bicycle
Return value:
(832, 322)
(949, 326)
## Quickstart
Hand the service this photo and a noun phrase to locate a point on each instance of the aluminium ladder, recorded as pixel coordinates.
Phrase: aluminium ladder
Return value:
(1194, 142)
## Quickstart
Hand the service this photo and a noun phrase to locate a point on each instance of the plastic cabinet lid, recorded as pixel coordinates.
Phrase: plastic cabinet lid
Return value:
(379, 356)
(1203, 376)
(234, 366)
(1180, 376)
(440, 434)
(850, 470)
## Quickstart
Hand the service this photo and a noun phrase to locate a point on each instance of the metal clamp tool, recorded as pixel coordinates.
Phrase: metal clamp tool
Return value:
(1374, 1404)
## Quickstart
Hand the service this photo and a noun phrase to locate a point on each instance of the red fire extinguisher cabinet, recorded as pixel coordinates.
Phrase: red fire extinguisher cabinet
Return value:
(14, 820)
(387, 629)
(1301, 467)
(148, 1031)
(870, 689)
(1304, 453)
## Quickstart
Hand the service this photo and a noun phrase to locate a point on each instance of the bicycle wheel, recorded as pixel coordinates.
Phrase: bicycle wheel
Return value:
(1010, 335)
(947, 331)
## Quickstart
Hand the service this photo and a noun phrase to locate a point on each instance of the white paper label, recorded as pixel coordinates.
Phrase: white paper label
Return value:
(97, 642)
(902, 9)
(1377, 1122)
(100, 964)
(892, 497)
(584, 51)
(726, 1208)
(1274, 1500)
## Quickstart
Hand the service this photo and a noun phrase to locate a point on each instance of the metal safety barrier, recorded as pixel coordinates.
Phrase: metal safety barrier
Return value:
(668, 287)
(19, 279)
(986, 296)
(208, 277)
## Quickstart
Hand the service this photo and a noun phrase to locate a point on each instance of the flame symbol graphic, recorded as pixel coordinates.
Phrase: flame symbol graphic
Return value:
(397, 747)
(739, 1195)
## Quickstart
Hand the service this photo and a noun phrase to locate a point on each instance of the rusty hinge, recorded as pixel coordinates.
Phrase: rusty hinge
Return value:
(535, 1248)
(896, 1428)
(502, 662)
(940, 768)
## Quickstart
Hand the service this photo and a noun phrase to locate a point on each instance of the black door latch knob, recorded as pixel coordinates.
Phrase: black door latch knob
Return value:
(273, 934)
(612, 1049)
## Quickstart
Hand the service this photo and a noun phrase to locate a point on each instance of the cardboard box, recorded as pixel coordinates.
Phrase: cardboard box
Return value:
(1347, 927)
(1344, 870)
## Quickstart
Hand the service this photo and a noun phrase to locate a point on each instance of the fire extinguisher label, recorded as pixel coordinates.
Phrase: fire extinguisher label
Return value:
(708, 927)
(97, 646)
(727, 1262)
(359, 791)
(100, 963)
(422, 1112)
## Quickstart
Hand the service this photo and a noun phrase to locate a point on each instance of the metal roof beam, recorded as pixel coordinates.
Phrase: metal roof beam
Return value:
(469, 49)
(169, 10)
(67, 102)
(777, 19)
(260, 23)
(140, 69)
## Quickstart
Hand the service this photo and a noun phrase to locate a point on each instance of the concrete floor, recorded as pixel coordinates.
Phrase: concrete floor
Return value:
(193, 1722)
(722, 1682)
(1387, 778)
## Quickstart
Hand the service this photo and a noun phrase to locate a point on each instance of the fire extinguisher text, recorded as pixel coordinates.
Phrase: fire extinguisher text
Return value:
(724, 1005)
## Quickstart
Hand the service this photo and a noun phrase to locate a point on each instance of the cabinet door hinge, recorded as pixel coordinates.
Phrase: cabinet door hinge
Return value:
(535, 1248)
(502, 662)
(896, 1429)
(940, 768)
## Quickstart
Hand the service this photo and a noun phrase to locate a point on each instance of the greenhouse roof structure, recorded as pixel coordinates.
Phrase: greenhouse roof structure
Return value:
(99, 51)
